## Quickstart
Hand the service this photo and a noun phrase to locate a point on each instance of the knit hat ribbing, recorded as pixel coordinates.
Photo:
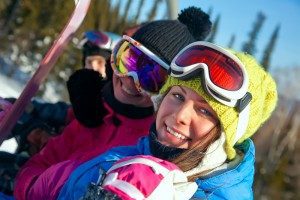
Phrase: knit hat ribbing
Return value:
(264, 99)
(166, 38)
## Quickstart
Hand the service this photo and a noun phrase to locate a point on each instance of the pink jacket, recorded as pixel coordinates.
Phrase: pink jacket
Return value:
(79, 143)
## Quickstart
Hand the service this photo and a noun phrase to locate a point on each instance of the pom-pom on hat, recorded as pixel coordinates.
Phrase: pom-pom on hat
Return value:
(264, 99)
(166, 38)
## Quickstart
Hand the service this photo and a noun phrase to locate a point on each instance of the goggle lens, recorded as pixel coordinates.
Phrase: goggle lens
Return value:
(223, 71)
(97, 38)
(128, 58)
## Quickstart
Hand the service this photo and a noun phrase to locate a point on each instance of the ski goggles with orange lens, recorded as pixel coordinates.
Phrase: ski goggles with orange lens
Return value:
(130, 58)
(224, 76)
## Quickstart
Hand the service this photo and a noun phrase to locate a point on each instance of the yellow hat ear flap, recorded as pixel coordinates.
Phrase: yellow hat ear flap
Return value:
(264, 94)
(262, 106)
(271, 97)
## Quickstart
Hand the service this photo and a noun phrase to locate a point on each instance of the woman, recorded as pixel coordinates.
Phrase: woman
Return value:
(212, 102)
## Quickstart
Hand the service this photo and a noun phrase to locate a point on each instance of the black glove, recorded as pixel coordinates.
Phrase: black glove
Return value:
(108, 70)
(9, 167)
(84, 88)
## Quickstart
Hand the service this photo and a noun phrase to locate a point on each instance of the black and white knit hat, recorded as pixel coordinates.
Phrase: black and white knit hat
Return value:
(166, 38)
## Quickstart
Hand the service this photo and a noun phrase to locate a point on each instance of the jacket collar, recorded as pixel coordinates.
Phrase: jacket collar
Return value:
(127, 110)
(238, 177)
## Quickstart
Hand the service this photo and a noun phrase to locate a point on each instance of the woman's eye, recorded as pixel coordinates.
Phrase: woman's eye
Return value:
(205, 112)
(178, 96)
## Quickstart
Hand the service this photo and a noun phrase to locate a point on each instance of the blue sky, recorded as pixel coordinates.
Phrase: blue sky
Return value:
(238, 16)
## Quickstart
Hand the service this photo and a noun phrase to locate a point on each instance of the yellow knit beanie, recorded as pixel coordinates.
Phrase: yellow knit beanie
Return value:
(264, 99)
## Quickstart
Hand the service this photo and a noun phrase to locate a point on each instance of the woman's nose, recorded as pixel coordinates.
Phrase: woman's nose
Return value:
(184, 113)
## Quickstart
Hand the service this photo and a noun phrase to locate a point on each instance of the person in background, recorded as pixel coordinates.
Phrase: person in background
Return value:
(119, 115)
(39, 117)
(213, 101)
(39, 122)
(43, 120)
(52, 117)
(96, 50)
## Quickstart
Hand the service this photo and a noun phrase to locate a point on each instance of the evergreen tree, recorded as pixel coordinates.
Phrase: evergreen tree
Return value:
(210, 11)
(115, 17)
(8, 11)
(153, 10)
(249, 46)
(33, 25)
(231, 41)
(7, 16)
(139, 10)
(214, 30)
(124, 18)
(270, 48)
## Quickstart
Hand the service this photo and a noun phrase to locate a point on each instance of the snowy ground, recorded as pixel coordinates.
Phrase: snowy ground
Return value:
(9, 145)
(12, 88)
(9, 88)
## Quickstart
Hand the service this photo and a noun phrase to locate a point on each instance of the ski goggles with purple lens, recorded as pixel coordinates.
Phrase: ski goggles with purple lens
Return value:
(130, 58)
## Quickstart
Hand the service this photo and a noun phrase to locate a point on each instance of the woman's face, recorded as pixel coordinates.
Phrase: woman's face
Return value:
(184, 118)
(126, 92)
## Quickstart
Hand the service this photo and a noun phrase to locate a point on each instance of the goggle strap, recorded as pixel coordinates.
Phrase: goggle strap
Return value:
(81, 43)
(243, 102)
(108, 45)
(147, 52)
(242, 123)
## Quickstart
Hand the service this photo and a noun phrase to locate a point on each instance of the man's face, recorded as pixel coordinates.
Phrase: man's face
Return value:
(96, 63)
(126, 92)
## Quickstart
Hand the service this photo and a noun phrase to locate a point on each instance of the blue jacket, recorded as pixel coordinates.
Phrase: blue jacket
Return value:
(231, 184)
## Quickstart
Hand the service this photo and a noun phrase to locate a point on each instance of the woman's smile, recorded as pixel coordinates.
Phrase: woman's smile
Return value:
(131, 92)
(176, 134)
